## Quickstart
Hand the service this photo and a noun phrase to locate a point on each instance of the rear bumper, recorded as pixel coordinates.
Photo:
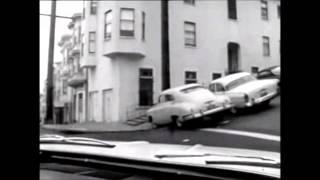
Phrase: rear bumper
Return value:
(205, 113)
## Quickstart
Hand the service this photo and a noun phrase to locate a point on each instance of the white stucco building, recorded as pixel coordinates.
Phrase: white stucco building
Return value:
(121, 49)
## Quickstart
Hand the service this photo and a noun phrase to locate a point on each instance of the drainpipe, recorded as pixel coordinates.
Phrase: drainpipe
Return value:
(165, 64)
(86, 94)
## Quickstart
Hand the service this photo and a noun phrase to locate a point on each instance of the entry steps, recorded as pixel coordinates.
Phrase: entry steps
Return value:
(138, 120)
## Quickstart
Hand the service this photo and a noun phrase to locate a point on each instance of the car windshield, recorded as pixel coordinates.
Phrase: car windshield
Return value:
(238, 82)
(128, 79)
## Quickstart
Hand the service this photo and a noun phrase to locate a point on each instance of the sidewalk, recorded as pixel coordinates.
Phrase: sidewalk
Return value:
(93, 127)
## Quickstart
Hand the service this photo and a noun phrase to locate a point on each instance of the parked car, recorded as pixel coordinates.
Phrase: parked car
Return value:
(272, 72)
(245, 90)
(183, 103)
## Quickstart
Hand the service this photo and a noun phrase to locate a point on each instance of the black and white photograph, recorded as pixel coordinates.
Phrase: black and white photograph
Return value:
(159, 89)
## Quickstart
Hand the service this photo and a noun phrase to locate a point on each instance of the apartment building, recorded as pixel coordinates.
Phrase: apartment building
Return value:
(120, 50)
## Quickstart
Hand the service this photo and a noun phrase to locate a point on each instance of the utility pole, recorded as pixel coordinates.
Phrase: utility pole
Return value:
(165, 64)
(49, 112)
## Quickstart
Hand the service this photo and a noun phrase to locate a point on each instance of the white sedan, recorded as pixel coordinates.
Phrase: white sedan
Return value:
(183, 103)
(245, 90)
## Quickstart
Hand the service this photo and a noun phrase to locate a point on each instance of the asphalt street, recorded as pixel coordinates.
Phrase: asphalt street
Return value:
(256, 128)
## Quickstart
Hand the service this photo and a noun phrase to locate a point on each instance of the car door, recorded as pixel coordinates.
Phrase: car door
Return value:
(162, 109)
(219, 89)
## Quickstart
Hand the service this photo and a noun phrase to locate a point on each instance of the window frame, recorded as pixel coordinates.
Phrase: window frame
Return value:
(93, 9)
(126, 20)
(264, 9)
(190, 2)
(187, 80)
(143, 28)
(106, 24)
(232, 9)
(266, 46)
(190, 32)
(213, 74)
(92, 41)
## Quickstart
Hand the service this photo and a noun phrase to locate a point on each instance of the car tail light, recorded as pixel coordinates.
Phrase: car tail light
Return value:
(246, 98)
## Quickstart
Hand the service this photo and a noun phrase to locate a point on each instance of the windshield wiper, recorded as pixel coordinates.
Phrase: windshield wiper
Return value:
(209, 154)
(51, 139)
(245, 163)
(266, 162)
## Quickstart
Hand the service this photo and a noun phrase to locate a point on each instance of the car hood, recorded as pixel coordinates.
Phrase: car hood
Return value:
(145, 151)
(254, 86)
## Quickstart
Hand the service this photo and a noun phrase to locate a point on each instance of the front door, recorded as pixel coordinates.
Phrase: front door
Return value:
(233, 57)
(106, 106)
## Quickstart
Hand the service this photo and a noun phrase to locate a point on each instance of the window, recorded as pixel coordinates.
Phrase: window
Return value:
(83, 13)
(192, 2)
(64, 86)
(254, 69)
(168, 97)
(216, 76)
(145, 87)
(80, 103)
(216, 87)
(264, 9)
(266, 46)
(232, 9)
(92, 39)
(127, 22)
(190, 77)
(107, 24)
(143, 26)
(190, 34)
(279, 11)
(82, 48)
(93, 7)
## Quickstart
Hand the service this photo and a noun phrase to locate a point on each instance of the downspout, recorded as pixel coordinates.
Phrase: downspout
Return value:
(165, 63)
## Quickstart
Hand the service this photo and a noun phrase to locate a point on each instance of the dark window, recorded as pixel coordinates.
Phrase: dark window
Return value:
(190, 77)
(189, 34)
(80, 103)
(127, 22)
(146, 87)
(92, 43)
(216, 76)
(79, 34)
(192, 2)
(266, 46)
(64, 86)
(82, 48)
(107, 24)
(219, 88)
(93, 7)
(264, 9)
(168, 97)
(254, 69)
(232, 9)
(143, 26)
(279, 11)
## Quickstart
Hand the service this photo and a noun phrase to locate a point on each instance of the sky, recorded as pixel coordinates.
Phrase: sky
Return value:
(63, 8)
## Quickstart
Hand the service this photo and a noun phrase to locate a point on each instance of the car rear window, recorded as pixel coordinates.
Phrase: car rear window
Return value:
(192, 89)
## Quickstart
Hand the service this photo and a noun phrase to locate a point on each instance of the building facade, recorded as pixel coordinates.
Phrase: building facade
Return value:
(121, 58)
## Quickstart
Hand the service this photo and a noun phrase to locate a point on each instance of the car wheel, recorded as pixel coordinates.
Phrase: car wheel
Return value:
(150, 119)
(233, 110)
(176, 122)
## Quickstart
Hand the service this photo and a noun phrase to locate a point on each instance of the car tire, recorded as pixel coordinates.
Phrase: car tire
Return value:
(150, 120)
(176, 122)
(234, 110)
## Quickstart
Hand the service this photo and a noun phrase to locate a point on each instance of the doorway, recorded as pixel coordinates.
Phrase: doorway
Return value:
(233, 57)
(107, 105)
